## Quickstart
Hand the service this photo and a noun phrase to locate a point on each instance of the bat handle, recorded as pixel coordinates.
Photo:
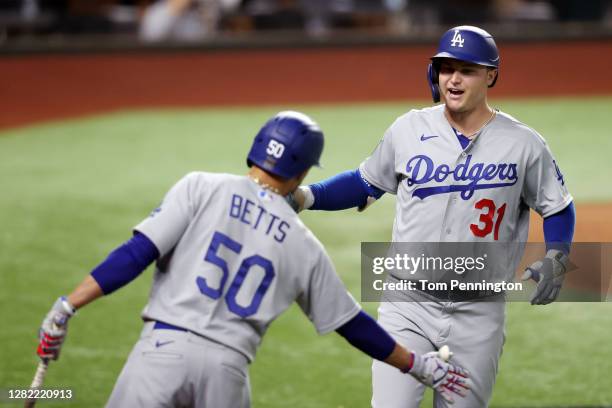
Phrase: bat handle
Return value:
(41, 370)
(39, 376)
(30, 403)
(37, 381)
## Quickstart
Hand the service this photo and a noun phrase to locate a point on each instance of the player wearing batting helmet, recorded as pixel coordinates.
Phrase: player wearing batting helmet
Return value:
(231, 255)
(462, 172)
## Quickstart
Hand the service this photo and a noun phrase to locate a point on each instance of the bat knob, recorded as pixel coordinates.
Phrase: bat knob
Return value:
(445, 353)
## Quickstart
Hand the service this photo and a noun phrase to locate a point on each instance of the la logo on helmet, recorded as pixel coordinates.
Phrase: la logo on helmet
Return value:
(457, 40)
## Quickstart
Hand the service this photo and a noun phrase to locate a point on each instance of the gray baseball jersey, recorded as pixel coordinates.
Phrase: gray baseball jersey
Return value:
(446, 193)
(234, 256)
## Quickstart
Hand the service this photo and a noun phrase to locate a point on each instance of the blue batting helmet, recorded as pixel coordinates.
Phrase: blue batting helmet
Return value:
(287, 144)
(465, 43)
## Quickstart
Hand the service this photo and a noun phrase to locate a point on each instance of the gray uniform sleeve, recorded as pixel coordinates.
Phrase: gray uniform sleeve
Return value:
(544, 189)
(325, 300)
(167, 223)
(379, 168)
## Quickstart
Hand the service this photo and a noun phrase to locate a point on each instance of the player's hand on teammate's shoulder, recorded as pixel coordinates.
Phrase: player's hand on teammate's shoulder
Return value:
(52, 332)
(549, 274)
(300, 199)
(369, 201)
(434, 370)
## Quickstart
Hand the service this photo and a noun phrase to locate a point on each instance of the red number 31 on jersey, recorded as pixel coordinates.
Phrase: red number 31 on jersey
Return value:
(487, 221)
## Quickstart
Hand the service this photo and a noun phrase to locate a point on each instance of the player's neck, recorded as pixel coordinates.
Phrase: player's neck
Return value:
(269, 181)
(470, 123)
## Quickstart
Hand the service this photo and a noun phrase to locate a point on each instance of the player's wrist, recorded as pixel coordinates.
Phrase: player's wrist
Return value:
(559, 257)
(62, 310)
(412, 357)
(67, 307)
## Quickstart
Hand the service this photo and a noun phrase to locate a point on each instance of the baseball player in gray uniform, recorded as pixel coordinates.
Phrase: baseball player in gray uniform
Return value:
(231, 255)
(462, 172)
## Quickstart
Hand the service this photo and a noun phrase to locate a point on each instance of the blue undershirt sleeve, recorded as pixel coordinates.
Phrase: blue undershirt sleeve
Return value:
(344, 190)
(559, 229)
(365, 334)
(125, 263)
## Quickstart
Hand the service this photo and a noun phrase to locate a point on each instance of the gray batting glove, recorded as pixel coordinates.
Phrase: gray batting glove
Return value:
(52, 332)
(300, 199)
(447, 379)
(549, 273)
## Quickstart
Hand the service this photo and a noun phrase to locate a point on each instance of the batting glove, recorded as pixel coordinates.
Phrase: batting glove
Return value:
(549, 273)
(52, 333)
(447, 379)
(300, 199)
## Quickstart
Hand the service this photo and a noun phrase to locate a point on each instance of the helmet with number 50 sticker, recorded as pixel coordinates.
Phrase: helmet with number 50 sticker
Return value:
(287, 145)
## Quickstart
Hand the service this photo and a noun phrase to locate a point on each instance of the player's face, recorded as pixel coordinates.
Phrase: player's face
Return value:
(463, 85)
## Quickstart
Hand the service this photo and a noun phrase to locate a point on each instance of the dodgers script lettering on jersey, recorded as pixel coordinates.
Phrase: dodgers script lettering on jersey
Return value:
(421, 169)
(450, 194)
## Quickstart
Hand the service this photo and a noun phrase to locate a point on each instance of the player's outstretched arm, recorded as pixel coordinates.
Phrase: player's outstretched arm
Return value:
(345, 190)
(121, 266)
(431, 369)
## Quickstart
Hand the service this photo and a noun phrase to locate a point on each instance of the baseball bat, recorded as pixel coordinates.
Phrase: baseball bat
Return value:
(39, 376)
(37, 381)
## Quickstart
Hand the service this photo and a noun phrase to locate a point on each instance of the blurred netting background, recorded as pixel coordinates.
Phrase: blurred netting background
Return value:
(201, 20)
(105, 104)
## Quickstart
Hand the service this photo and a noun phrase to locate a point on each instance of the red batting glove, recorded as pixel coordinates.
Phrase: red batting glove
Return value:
(52, 332)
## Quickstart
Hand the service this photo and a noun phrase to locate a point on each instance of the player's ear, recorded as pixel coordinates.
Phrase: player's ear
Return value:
(295, 182)
(300, 177)
(491, 76)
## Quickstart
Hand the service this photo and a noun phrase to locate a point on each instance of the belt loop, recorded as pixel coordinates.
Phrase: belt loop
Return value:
(147, 329)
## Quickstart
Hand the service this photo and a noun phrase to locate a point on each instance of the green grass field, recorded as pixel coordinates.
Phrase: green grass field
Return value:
(71, 191)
